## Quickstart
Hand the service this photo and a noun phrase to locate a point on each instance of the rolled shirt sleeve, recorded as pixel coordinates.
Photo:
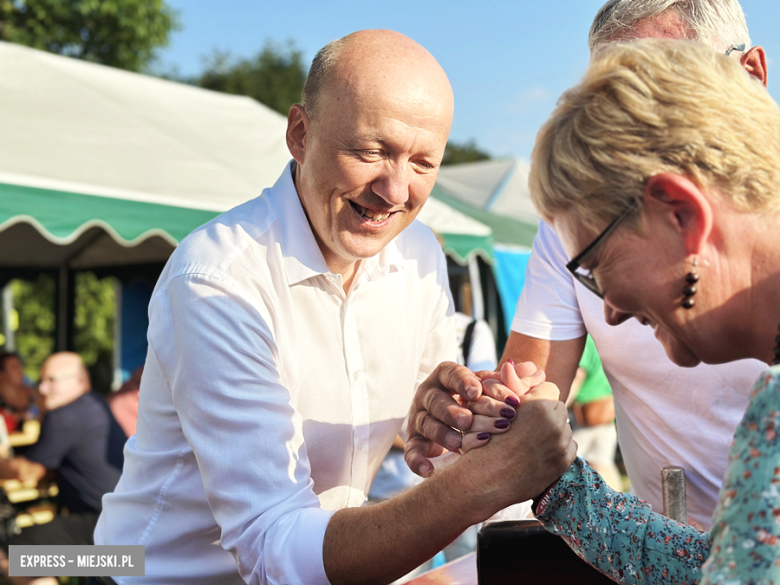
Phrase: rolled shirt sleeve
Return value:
(255, 473)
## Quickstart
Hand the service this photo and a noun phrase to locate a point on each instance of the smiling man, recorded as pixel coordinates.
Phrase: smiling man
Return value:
(286, 340)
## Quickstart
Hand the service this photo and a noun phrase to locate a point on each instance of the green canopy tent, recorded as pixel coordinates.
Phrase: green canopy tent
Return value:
(106, 170)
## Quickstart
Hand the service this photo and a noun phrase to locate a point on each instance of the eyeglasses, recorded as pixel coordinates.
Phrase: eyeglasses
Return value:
(583, 275)
(732, 48)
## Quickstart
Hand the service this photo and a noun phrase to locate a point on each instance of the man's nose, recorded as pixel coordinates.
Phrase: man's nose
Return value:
(393, 183)
(613, 316)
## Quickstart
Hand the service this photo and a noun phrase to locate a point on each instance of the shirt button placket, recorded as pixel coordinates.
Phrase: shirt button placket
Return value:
(360, 410)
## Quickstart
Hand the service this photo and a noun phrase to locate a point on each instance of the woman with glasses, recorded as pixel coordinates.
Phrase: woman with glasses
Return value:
(661, 173)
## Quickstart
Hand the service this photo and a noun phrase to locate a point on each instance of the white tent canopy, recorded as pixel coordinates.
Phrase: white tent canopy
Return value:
(74, 126)
(497, 186)
(100, 166)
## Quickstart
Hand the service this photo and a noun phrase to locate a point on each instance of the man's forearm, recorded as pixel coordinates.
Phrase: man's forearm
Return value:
(380, 543)
(21, 469)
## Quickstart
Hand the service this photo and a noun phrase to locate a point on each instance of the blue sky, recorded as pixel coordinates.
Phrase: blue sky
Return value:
(508, 61)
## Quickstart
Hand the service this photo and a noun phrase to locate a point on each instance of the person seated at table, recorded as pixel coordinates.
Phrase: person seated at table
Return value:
(80, 444)
(661, 173)
(124, 402)
(18, 401)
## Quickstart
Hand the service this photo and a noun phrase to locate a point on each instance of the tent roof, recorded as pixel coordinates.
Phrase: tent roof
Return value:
(96, 161)
(495, 193)
(499, 187)
(74, 126)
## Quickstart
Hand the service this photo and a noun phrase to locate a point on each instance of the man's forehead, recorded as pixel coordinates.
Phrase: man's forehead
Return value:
(59, 364)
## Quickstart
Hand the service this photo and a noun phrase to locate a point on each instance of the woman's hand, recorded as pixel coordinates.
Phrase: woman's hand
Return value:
(502, 392)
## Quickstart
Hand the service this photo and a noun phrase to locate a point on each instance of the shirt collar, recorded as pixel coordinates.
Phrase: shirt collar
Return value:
(302, 256)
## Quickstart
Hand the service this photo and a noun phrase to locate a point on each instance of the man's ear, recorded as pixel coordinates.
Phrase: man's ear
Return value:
(297, 129)
(754, 62)
(684, 204)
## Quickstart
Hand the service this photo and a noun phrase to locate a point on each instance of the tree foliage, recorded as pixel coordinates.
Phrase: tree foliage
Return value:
(274, 77)
(94, 321)
(461, 153)
(119, 33)
(35, 302)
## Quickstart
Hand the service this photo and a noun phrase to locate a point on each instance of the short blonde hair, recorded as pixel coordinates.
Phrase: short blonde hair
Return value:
(652, 106)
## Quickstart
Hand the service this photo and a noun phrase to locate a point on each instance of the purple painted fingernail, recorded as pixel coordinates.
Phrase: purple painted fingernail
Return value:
(483, 436)
(512, 401)
(508, 413)
(501, 424)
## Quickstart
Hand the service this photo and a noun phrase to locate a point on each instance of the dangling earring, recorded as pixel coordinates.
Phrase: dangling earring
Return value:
(689, 290)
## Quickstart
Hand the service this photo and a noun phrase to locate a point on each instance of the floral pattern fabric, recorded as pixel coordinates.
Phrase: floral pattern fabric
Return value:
(622, 537)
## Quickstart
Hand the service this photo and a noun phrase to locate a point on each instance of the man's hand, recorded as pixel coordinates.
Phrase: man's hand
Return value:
(500, 391)
(21, 469)
(536, 451)
(435, 415)
(438, 416)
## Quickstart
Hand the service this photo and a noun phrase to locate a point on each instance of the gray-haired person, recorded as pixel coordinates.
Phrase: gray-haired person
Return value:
(666, 415)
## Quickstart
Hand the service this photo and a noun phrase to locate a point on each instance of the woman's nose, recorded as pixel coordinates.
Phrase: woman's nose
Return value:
(613, 316)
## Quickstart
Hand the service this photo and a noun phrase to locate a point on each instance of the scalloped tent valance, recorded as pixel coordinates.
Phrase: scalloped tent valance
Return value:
(102, 167)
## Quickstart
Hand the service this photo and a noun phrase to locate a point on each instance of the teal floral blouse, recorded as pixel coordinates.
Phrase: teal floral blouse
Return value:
(622, 537)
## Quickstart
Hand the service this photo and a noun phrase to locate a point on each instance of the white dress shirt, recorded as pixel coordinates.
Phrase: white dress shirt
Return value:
(269, 397)
(666, 415)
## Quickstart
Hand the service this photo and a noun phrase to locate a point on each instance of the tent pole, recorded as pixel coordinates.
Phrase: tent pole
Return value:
(8, 309)
(478, 303)
(117, 357)
(63, 307)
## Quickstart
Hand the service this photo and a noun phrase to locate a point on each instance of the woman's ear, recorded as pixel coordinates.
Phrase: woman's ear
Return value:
(297, 130)
(684, 204)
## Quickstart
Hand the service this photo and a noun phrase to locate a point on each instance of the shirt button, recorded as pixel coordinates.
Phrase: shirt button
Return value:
(355, 377)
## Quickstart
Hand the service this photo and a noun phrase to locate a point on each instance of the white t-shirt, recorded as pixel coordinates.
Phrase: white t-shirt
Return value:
(666, 415)
(269, 397)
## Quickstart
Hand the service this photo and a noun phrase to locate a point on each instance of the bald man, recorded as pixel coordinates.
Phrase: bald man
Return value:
(286, 340)
(80, 445)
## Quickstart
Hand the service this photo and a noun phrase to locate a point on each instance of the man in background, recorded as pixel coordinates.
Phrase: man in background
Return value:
(80, 446)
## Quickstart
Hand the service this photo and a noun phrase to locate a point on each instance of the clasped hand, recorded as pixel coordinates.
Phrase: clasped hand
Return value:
(458, 410)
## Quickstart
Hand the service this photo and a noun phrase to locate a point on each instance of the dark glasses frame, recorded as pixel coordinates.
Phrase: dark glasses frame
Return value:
(586, 279)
